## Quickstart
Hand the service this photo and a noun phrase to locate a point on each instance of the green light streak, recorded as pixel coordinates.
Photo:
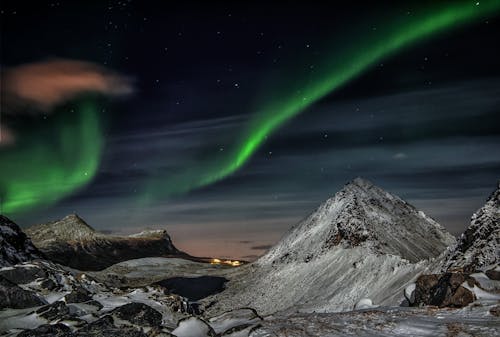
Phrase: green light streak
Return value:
(50, 163)
(364, 52)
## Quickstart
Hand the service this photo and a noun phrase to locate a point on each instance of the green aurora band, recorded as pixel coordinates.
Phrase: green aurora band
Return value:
(48, 163)
(339, 67)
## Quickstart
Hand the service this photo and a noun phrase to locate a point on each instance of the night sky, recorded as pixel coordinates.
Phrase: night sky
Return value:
(226, 123)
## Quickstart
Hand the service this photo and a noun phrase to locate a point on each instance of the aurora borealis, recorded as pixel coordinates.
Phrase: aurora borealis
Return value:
(236, 119)
(332, 74)
(51, 163)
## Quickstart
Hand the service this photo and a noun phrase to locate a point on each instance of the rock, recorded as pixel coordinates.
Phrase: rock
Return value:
(23, 274)
(423, 288)
(460, 298)
(48, 284)
(493, 274)
(105, 327)
(15, 246)
(495, 311)
(78, 295)
(48, 330)
(180, 304)
(13, 296)
(444, 290)
(138, 314)
(57, 310)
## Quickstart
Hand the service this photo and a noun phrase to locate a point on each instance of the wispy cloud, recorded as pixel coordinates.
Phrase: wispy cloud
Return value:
(39, 87)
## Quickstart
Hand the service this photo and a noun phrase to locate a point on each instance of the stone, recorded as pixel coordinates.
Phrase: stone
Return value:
(444, 290)
(23, 274)
(78, 295)
(57, 310)
(139, 314)
(48, 330)
(105, 327)
(13, 296)
(495, 311)
(493, 274)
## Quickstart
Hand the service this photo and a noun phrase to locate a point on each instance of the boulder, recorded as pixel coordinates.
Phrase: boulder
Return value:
(55, 311)
(495, 311)
(48, 330)
(105, 327)
(138, 314)
(23, 274)
(494, 273)
(78, 295)
(13, 296)
(444, 290)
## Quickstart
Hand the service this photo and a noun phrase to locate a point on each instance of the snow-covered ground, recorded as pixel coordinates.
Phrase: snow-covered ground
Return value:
(334, 282)
(385, 321)
(140, 272)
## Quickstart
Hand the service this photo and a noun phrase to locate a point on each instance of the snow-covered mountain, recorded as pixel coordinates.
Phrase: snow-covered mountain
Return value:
(362, 214)
(72, 242)
(15, 246)
(69, 228)
(361, 243)
(479, 246)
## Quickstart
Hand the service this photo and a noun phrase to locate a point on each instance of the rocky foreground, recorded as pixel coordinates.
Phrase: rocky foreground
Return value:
(354, 267)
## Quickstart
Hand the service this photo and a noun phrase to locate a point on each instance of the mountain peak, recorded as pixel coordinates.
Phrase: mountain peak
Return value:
(361, 182)
(362, 214)
(69, 228)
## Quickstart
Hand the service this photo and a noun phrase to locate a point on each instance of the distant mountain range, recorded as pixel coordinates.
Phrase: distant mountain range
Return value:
(72, 242)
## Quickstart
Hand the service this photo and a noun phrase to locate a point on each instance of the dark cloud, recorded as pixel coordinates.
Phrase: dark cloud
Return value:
(261, 247)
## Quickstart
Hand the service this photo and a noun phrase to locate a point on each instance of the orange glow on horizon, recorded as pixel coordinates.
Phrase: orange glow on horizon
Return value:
(233, 263)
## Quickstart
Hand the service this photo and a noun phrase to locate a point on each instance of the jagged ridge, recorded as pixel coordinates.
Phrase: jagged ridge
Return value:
(479, 246)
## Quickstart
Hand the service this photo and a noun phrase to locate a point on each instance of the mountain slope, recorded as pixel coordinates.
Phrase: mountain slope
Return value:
(362, 214)
(362, 243)
(15, 246)
(479, 246)
(72, 242)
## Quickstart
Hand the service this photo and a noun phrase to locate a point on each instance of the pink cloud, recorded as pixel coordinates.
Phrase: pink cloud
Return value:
(45, 84)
